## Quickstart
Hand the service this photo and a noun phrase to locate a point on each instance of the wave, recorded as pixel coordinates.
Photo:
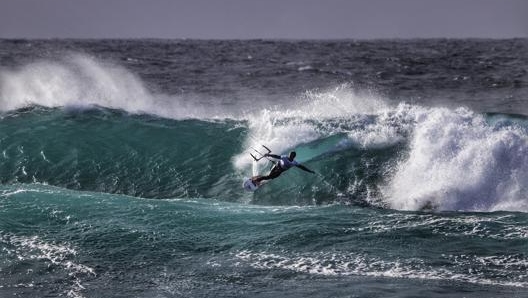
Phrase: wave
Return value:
(81, 82)
(459, 160)
(366, 149)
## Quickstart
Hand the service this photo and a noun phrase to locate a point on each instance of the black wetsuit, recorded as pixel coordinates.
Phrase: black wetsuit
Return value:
(282, 165)
(274, 173)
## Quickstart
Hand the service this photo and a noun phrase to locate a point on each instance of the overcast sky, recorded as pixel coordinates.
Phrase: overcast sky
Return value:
(242, 19)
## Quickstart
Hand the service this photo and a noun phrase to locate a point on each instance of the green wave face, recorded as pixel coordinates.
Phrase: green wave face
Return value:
(386, 160)
(109, 151)
(144, 156)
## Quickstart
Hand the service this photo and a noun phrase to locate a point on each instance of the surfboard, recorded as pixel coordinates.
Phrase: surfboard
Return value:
(249, 185)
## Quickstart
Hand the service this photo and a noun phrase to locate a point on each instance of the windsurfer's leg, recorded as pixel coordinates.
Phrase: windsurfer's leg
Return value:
(275, 172)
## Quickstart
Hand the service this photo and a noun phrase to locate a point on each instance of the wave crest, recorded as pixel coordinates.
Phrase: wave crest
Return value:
(458, 161)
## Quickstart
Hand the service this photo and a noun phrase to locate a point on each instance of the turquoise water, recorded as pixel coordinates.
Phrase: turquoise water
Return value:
(109, 151)
(121, 164)
(58, 242)
(98, 202)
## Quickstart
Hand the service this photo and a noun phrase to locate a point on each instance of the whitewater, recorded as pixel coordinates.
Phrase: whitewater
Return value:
(121, 167)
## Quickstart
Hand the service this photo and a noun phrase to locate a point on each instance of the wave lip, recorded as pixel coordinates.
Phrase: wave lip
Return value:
(77, 80)
(315, 116)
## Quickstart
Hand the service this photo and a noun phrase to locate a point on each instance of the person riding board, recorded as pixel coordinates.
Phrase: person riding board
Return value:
(284, 164)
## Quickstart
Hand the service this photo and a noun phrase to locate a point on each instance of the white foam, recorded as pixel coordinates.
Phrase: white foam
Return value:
(335, 264)
(481, 226)
(79, 82)
(75, 81)
(33, 248)
(459, 162)
(314, 115)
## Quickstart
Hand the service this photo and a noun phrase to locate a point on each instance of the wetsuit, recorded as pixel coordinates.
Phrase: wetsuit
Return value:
(283, 165)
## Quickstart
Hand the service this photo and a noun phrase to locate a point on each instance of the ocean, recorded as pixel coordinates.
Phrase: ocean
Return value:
(122, 162)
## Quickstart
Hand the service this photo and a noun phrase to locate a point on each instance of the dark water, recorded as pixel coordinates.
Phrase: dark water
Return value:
(121, 167)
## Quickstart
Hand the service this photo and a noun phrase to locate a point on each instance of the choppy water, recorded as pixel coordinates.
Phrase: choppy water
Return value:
(121, 167)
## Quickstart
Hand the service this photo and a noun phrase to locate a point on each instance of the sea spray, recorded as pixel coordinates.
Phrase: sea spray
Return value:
(457, 161)
(78, 81)
(311, 116)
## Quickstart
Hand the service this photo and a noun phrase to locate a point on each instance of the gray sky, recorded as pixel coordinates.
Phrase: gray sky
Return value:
(242, 19)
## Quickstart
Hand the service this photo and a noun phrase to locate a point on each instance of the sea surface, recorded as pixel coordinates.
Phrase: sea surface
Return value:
(121, 164)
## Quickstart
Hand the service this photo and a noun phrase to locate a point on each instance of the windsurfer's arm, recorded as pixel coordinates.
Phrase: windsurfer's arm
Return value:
(272, 155)
(305, 169)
